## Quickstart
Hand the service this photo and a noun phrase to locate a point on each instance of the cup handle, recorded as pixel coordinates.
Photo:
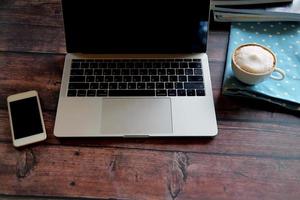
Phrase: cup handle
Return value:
(279, 71)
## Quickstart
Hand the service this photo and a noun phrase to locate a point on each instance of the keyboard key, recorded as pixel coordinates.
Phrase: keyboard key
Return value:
(160, 86)
(184, 65)
(131, 86)
(81, 93)
(77, 71)
(102, 65)
(195, 78)
(194, 85)
(112, 86)
(171, 71)
(164, 79)
(161, 92)
(147, 65)
(191, 92)
(195, 65)
(136, 79)
(161, 71)
(165, 65)
(107, 72)
(93, 65)
(116, 72)
(152, 72)
(200, 92)
(90, 78)
(129, 65)
(179, 71)
(178, 85)
(112, 65)
(150, 86)
(198, 71)
(75, 65)
(103, 85)
(154, 78)
(84, 65)
(108, 78)
(131, 92)
(121, 65)
(182, 78)
(77, 79)
(71, 93)
(78, 85)
(181, 93)
(118, 79)
(143, 72)
(94, 86)
(91, 93)
(98, 72)
(169, 85)
(123, 86)
(101, 93)
(127, 78)
(171, 92)
(189, 72)
(99, 78)
(134, 72)
(125, 72)
(173, 78)
(156, 65)
(141, 86)
(145, 78)
(174, 65)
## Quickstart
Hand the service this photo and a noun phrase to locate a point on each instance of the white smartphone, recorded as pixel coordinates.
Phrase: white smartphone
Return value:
(26, 119)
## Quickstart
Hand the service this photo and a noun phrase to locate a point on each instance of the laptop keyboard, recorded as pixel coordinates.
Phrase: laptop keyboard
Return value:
(136, 77)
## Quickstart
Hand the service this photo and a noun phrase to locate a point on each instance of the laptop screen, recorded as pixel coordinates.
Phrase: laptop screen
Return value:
(146, 26)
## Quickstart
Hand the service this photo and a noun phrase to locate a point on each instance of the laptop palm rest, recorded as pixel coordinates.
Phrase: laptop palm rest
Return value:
(136, 116)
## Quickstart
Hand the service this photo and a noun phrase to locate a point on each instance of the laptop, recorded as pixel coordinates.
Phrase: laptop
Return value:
(135, 69)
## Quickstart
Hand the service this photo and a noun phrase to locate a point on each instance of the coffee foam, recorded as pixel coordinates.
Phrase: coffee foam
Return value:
(254, 59)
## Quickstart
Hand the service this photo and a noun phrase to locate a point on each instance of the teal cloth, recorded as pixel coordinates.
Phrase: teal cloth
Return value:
(283, 38)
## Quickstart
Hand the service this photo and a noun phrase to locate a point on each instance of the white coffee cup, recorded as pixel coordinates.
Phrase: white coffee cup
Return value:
(252, 63)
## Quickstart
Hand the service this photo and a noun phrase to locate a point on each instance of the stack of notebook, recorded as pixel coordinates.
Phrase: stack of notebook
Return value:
(283, 38)
(253, 11)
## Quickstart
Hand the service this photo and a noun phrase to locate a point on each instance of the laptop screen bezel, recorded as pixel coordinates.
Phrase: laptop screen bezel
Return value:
(72, 47)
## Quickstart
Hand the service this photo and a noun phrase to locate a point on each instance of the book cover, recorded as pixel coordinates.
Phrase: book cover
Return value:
(245, 2)
(283, 38)
(286, 12)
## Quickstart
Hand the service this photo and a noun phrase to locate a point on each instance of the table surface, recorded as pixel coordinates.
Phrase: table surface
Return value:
(255, 156)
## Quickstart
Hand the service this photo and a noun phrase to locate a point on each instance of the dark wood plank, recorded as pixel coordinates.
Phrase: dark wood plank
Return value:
(31, 12)
(23, 72)
(31, 26)
(135, 174)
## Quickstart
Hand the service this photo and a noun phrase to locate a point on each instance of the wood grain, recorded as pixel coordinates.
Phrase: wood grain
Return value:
(136, 174)
(255, 156)
(31, 26)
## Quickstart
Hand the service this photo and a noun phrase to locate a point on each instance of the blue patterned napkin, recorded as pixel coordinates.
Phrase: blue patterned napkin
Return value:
(283, 38)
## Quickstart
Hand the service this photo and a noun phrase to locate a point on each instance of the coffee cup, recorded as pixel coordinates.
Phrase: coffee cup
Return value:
(253, 63)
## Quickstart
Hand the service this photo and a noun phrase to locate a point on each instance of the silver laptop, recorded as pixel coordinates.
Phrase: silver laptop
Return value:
(135, 69)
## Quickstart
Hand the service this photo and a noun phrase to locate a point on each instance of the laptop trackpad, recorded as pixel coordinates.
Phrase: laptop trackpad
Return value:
(136, 116)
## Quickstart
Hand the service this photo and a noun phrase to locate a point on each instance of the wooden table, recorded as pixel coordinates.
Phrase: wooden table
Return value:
(255, 156)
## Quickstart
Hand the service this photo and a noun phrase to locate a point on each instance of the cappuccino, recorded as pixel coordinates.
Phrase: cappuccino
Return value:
(254, 59)
(253, 63)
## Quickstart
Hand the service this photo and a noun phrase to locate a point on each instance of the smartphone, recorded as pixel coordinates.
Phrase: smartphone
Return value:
(26, 119)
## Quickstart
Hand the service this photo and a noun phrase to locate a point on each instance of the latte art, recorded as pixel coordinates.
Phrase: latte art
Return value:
(254, 59)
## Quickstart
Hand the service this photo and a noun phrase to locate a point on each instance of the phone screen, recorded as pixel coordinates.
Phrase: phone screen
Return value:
(26, 117)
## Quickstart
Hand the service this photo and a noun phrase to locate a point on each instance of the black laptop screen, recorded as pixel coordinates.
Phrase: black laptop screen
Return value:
(145, 26)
